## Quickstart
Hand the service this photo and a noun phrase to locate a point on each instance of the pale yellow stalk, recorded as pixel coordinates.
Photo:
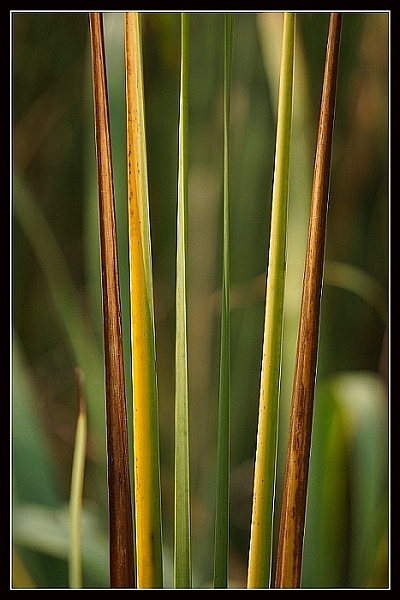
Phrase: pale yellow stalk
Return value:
(76, 495)
(145, 419)
(260, 552)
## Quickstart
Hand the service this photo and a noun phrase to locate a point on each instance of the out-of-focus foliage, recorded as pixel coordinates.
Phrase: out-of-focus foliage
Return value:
(56, 280)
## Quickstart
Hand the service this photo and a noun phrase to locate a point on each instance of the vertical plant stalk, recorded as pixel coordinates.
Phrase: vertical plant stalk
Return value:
(145, 398)
(76, 494)
(182, 542)
(64, 296)
(259, 568)
(222, 509)
(291, 532)
(119, 490)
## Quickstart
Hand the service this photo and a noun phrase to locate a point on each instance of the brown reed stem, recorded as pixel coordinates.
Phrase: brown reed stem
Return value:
(119, 490)
(291, 533)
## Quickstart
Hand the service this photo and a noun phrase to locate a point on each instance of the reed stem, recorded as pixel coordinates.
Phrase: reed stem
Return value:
(291, 532)
(145, 396)
(119, 489)
(259, 568)
(182, 534)
(222, 509)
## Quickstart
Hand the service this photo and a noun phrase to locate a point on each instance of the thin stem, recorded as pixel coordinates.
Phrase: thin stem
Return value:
(119, 490)
(182, 542)
(264, 477)
(145, 397)
(76, 494)
(290, 545)
(222, 510)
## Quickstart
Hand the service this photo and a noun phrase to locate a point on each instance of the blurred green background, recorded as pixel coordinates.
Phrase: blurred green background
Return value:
(56, 301)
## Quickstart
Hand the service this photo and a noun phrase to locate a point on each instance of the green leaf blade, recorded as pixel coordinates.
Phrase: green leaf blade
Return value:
(182, 541)
(222, 508)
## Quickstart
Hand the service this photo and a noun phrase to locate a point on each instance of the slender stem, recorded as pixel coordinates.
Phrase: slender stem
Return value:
(145, 398)
(77, 479)
(119, 490)
(222, 511)
(264, 478)
(182, 543)
(145, 408)
(290, 545)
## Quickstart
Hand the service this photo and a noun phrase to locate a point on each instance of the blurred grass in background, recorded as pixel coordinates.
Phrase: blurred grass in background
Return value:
(56, 317)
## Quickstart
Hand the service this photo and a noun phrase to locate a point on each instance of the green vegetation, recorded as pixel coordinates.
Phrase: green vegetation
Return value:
(57, 320)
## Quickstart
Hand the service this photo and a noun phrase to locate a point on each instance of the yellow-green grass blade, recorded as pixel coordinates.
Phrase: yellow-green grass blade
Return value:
(291, 531)
(145, 399)
(182, 534)
(259, 567)
(76, 494)
(119, 489)
(222, 510)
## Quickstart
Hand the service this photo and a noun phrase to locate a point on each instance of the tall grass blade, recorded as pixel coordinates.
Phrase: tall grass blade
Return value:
(222, 510)
(182, 541)
(145, 399)
(290, 545)
(119, 490)
(259, 567)
(77, 332)
(76, 494)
